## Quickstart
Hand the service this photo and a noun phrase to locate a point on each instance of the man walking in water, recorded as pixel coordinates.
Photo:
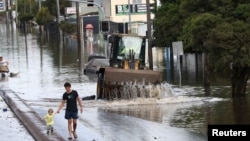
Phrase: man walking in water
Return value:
(71, 97)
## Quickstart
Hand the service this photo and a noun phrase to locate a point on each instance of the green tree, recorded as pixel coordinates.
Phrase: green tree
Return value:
(30, 7)
(25, 17)
(68, 28)
(43, 16)
(52, 7)
(167, 25)
(26, 9)
(219, 28)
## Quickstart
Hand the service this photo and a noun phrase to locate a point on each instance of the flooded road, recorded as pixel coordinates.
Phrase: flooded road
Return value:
(44, 66)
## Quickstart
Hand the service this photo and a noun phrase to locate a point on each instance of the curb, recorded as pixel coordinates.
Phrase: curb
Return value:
(28, 117)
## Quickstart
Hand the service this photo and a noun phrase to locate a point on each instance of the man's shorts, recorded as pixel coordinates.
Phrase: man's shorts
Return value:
(71, 114)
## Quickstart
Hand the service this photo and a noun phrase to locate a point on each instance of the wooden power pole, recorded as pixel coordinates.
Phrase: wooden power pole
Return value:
(79, 36)
(150, 55)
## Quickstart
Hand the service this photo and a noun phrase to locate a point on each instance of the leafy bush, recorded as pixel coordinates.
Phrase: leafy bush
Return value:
(69, 28)
(43, 16)
(25, 17)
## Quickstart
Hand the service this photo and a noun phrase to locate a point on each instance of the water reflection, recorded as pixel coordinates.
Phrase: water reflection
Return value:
(183, 115)
(152, 112)
(232, 111)
(40, 61)
(241, 106)
(115, 125)
(191, 118)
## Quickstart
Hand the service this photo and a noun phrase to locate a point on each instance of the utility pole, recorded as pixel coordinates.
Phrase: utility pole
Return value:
(206, 75)
(150, 56)
(30, 6)
(7, 10)
(79, 36)
(40, 5)
(16, 7)
(58, 11)
(129, 16)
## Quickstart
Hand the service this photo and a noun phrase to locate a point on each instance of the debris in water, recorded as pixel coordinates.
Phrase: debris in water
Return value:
(5, 109)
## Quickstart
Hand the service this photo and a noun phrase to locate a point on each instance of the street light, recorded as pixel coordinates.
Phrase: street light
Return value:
(99, 6)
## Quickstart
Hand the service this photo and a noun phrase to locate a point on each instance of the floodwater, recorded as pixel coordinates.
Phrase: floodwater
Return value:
(44, 64)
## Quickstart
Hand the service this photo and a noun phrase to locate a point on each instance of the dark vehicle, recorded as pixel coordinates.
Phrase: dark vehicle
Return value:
(93, 66)
(93, 56)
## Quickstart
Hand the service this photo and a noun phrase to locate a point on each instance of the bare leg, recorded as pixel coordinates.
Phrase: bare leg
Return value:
(74, 124)
(74, 127)
(70, 127)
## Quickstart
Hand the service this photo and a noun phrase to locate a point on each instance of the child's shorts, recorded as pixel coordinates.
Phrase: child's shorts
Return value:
(49, 127)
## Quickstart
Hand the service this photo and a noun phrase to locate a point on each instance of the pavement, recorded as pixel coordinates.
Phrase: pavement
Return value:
(19, 117)
(11, 127)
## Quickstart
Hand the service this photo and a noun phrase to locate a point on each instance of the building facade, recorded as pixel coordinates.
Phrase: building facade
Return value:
(131, 12)
(120, 10)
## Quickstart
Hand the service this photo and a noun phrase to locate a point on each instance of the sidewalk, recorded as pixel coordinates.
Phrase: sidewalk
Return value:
(11, 128)
(20, 121)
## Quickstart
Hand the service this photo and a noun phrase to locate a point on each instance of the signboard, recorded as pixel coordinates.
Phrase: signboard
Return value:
(177, 48)
(70, 10)
(122, 9)
(137, 1)
(141, 8)
(2, 7)
(134, 9)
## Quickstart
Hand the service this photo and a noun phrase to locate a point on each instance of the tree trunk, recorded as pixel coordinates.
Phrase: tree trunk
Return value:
(206, 75)
(239, 78)
(41, 28)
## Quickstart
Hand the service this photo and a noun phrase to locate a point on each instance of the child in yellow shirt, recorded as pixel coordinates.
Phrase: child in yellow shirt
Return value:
(49, 119)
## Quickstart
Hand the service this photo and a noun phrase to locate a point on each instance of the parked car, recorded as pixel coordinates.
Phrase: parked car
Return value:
(93, 65)
(93, 56)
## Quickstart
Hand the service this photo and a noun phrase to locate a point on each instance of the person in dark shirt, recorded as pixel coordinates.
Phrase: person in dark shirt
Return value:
(71, 97)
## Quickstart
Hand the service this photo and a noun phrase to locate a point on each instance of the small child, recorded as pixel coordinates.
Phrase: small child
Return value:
(49, 118)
